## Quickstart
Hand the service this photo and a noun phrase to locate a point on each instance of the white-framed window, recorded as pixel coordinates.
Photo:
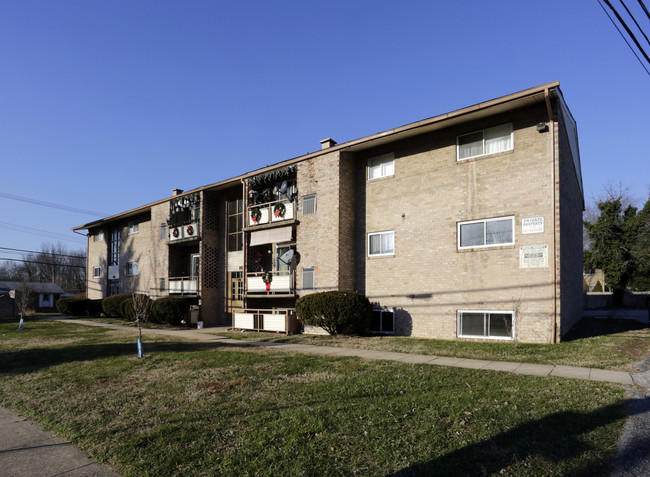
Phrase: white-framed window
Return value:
(309, 204)
(383, 321)
(131, 269)
(486, 324)
(484, 142)
(381, 166)
(308, 276)
(483, 233)
(98, 237)
(97, 272)
(133, 228)
(381, 243)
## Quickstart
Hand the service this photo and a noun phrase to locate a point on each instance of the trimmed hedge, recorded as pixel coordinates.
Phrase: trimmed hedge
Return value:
(170, 309)
(112, 304)
(335, 311)
(94, 307)
(72, 306)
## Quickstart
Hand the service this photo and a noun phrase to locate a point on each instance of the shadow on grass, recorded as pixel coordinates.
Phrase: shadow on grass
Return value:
(543, 445)
(35, 359)
(590, 327)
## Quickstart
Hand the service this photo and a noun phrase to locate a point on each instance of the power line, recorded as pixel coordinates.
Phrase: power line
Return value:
(41, 263)
(621, 33)
(634, 20)
(31, 230)
(43, 252)
(52, 205)
(644, 8)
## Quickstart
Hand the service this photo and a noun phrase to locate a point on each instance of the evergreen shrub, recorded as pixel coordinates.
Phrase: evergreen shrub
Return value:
(170, 309)
(335, 311)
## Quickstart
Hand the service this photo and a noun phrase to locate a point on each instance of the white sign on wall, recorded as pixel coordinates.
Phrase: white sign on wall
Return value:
(533, 256)
(532, 225)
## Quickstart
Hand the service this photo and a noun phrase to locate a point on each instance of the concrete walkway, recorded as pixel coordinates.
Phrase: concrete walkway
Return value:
(573, 372)
(28, 451)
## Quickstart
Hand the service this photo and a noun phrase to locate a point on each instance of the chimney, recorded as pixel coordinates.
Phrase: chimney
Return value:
(327, 143)
(177, 191)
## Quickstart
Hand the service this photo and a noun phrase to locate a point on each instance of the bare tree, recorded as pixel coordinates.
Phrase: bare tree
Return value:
(25, 300)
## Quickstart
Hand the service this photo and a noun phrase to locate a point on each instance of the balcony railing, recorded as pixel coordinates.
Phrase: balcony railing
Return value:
(282, 283)
(271, 212)
(183, 285)
(187, 231)
(279, 320)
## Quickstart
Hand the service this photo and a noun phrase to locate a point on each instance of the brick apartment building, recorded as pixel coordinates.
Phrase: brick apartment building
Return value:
(467, 225)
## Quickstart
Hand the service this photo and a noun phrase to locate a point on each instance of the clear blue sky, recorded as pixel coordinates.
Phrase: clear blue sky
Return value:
(108, 105)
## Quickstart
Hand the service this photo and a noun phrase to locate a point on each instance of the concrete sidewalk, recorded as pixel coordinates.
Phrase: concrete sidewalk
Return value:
(573, 372)
(26, 450)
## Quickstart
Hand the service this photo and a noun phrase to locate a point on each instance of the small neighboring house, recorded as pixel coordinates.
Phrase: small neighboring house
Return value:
(465, 225)
(592, 277)
(46, 295)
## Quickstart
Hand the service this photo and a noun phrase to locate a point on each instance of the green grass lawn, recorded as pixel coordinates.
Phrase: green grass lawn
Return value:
(594, 343)
(205, 409)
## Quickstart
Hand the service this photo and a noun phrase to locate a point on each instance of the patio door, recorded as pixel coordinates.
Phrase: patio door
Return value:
(235, 290)
(195, 264)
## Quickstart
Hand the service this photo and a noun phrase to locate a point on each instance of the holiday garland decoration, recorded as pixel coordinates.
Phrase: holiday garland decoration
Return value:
(256, 214)
(176, 232)
(279, 209)
(190, 230)
(267, 278)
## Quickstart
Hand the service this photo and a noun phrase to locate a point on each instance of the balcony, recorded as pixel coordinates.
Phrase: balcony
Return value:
(183, 232)
(270, 213)
(183, 285)
(282, 283)
(279, 320)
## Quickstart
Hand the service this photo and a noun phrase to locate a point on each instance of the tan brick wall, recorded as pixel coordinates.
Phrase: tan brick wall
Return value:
(428, 280)
(318, 235)
(158, 249)
(136, 248)
(97, 253)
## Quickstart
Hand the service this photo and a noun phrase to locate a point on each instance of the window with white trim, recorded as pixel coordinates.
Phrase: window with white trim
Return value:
(98, 237)
(131, 269)
(485, 324)
(487, 141)
(383, 321)
(309, 204)
(133, 228)
(381, 243)
(483, 233)
(308, 278)
(381, 166)
(97, 272)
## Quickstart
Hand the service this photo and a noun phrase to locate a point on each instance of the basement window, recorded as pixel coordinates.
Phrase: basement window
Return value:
(383, 321)
(485, 324)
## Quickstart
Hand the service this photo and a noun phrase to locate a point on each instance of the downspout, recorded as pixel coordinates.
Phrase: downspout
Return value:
(549, 112)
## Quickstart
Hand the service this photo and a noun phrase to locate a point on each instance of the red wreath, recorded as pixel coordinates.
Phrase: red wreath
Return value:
(175, 232)
(190, 230)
